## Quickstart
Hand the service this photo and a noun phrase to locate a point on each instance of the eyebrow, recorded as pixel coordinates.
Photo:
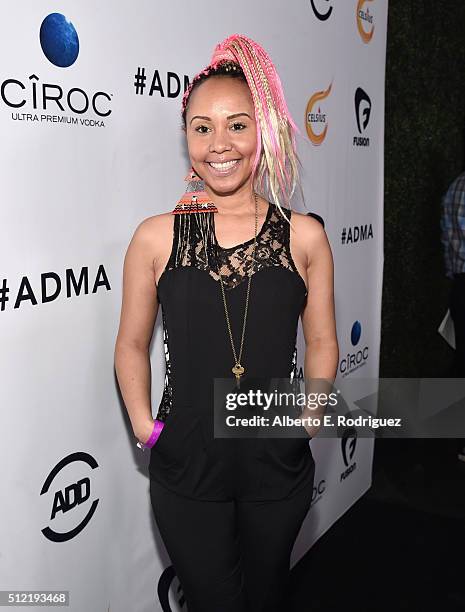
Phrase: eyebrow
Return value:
(229, 117)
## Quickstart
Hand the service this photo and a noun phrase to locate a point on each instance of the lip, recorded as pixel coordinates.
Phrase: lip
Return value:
(227, 171)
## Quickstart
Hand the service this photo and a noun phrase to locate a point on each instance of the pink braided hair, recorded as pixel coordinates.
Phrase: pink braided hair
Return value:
(276, 129)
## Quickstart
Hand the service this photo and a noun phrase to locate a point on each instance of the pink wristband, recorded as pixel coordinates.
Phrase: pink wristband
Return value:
(156, 431)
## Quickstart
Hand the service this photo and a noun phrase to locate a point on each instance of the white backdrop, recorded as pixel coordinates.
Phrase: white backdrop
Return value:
(84, 157)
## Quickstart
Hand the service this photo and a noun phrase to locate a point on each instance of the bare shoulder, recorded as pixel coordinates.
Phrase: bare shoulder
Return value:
(154, 233)
(154, 227)
(306, 223)
(309, 234)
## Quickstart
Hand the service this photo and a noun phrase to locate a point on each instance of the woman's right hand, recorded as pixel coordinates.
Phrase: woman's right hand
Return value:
(144, 432)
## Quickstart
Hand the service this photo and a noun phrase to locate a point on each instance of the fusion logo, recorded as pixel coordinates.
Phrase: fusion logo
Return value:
(316, 122)
(354, 360)
(69, 498)
(356, 233)
(318, 489)
(170, 592)
(348, 444)
(50, 102)
(325, 13)
(365, 25)
(362, 116)
(73, 286)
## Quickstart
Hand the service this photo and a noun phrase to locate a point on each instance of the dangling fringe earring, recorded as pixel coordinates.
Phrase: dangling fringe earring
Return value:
(195, 204)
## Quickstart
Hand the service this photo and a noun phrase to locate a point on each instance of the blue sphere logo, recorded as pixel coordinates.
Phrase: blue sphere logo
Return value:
(59, 40)
(355, 333)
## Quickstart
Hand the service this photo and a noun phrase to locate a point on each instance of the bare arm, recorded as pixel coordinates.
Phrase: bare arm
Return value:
(318, 316)
(138, 314)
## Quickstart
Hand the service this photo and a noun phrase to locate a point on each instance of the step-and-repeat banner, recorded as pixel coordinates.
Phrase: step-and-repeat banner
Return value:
(90, 98)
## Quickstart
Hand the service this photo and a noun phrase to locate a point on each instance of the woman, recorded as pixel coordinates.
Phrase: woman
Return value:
(228, 510)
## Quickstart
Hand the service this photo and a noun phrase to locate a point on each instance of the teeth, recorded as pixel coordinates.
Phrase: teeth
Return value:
(223, 165)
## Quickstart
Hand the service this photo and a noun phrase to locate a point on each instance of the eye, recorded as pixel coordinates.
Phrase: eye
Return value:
(197, 129)
(237, 127)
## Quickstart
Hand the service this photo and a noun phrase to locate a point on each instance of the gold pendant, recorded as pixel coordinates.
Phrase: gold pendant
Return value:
(238, 370)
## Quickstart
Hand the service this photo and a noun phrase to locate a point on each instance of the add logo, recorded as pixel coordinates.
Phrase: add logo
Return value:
(70, 497)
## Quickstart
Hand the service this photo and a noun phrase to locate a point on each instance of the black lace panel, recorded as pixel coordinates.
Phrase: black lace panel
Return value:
(167, 397)
(234, 263)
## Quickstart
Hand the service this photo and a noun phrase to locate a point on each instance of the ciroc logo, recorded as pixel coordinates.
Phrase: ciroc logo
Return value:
(354, 360)
(59, 40)
(318, 489)
(50, 102)
(355, 333)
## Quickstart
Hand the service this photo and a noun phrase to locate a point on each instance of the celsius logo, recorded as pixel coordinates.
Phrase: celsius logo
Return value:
(167, 580)
(353, 361)
(317, 118)
(362, 116)
(50, 102)
(365, 23)
(59, 40)
(348, 444)
(320, 15)
(70, 497)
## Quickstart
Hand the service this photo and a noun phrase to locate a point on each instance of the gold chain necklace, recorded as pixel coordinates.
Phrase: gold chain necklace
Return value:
(238, 369)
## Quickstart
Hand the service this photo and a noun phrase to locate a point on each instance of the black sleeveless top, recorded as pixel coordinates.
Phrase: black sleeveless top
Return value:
(187, 458)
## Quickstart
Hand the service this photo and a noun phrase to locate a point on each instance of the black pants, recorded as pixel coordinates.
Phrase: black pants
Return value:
(230, 556)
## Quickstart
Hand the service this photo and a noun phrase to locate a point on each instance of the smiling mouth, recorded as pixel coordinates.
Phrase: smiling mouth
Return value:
(224, 165)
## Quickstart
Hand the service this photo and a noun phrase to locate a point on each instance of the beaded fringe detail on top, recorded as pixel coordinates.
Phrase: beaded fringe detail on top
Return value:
(196, 210)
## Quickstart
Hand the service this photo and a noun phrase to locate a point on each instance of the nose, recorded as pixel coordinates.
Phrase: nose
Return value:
(220, 141)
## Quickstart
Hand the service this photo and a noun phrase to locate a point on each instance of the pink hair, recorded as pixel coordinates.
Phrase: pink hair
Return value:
(276, 156)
